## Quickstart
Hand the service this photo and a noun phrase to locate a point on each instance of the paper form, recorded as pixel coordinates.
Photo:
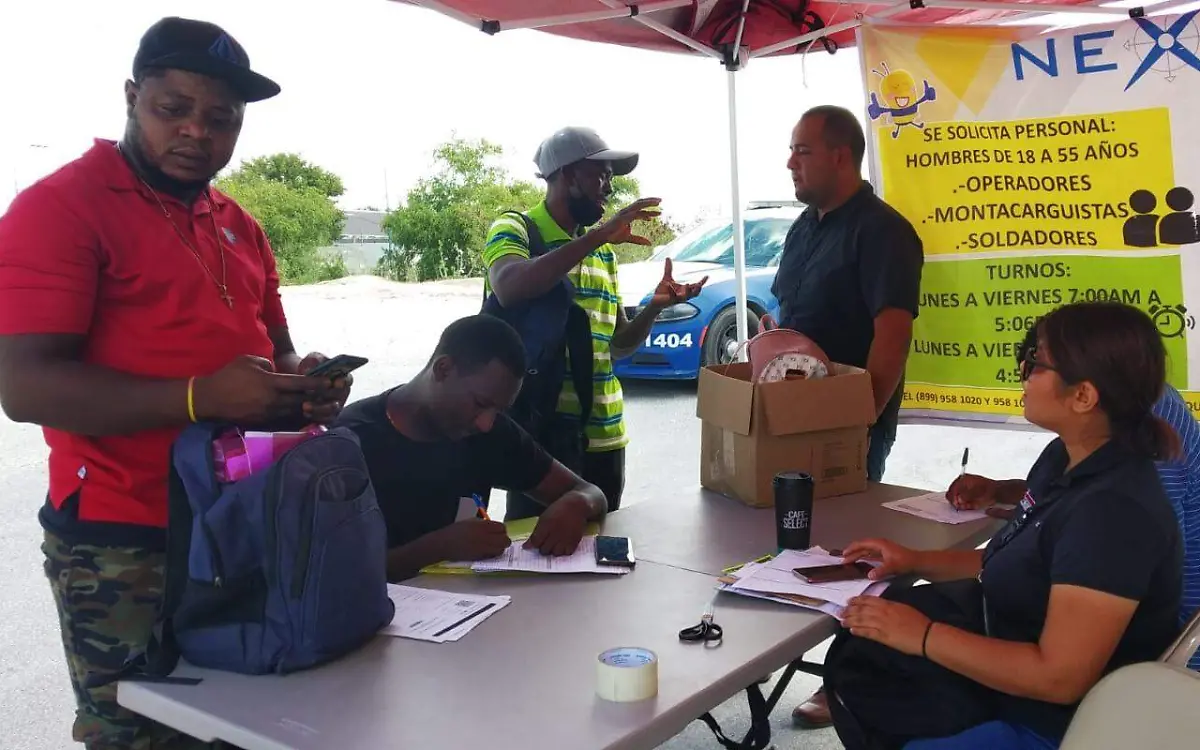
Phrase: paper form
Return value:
(776, 577)
(767, 581)
(518, 531)
(935, 507)
(517, 558)
(833, 610)
(438, 616)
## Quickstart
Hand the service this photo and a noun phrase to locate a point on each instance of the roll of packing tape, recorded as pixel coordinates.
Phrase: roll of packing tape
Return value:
(627, 674)
(792, 364)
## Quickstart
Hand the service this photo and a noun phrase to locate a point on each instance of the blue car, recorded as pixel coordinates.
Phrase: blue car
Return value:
(691, 335)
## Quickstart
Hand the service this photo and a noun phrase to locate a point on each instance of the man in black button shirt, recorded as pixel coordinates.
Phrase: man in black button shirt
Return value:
(850, 275)
(849, 279)
(433, 443)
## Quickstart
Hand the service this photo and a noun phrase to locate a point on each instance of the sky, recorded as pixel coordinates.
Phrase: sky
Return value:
(371, 87)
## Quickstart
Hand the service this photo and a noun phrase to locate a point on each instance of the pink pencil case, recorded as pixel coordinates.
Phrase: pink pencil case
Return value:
(237, 454)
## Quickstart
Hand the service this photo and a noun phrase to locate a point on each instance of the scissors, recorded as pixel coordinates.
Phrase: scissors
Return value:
(708, 631)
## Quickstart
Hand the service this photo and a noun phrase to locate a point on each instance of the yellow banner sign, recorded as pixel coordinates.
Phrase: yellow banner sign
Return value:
(1039, 170)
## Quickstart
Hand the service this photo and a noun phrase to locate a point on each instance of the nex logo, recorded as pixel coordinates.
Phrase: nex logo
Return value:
(1166, 41)
(1154, 45)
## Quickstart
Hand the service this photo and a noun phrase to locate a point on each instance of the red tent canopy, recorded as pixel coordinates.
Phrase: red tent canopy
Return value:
(734, 31)
(772, 27)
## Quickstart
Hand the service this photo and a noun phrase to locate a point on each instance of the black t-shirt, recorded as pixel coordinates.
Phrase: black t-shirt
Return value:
(838, 273)
(1105, 525)
(419, 484)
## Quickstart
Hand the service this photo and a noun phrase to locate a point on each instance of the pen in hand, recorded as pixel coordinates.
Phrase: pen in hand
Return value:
(482, 510)
(962, 473)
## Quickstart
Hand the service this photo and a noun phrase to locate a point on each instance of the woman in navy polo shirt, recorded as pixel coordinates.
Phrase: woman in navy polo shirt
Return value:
(1085, 578)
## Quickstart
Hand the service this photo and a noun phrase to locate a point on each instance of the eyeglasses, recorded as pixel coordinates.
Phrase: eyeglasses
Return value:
(1029, 362)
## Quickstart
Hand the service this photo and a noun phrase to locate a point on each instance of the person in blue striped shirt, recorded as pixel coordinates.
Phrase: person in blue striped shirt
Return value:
(1181, 481)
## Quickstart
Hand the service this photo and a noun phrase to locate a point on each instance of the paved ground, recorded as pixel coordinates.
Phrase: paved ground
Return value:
(397, 326)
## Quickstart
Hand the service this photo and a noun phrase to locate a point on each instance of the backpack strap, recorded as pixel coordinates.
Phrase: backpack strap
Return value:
(759, 736)
(162, 654)
(537, 245)
(581, 358)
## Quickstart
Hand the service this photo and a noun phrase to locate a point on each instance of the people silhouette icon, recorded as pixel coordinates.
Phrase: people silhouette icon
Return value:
(1141, 230)
(1179, 226)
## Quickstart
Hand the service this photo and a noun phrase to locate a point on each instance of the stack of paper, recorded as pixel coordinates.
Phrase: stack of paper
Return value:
(935, 507)
(438, 616)
(775, 581)
(517, 558)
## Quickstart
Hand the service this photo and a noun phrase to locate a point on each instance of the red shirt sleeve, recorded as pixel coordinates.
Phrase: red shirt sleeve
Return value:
(272, 312)
(49, 266)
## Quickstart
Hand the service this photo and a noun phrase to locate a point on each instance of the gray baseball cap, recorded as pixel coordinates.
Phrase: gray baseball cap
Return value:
(571, 145)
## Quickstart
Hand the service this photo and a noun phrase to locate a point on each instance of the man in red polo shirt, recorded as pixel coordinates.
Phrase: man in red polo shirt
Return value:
(134, 298)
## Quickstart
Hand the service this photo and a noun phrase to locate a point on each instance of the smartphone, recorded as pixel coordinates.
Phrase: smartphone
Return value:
(337, 367)
(831, 573)
(614, 551)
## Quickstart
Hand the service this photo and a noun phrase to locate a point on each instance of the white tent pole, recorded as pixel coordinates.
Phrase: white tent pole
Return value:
(1039, 8)
(1181, 7)
(1027, 10)
(618, 10)
(446, 10)
(853, 23)
(739, 230)
(737, 40)
(733, 62)
(667, 31)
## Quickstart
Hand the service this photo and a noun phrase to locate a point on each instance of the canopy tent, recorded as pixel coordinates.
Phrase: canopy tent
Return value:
(735, 31)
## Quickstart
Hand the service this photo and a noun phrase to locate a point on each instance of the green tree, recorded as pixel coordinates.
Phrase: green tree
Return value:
(440, 230)
(295, 172)
(297, 221)
(625, 191)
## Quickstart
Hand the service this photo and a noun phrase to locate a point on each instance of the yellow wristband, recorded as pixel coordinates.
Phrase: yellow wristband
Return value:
(191, 399)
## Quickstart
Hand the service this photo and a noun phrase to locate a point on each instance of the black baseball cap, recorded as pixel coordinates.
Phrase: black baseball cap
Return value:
(204, 48)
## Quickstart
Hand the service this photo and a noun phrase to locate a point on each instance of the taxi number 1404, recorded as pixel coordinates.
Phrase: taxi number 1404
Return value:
(669, 340)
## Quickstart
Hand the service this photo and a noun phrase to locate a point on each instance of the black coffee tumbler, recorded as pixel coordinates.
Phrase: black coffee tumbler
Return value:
(793, 510)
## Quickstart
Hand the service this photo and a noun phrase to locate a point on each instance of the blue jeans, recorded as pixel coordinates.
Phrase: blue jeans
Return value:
(880, 439)
(994, 735)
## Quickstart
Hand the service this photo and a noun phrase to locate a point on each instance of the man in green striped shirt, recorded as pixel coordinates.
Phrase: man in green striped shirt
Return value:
(578, 168)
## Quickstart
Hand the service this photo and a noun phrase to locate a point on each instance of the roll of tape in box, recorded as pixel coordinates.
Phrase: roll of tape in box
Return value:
(627, 674)
(792, 364)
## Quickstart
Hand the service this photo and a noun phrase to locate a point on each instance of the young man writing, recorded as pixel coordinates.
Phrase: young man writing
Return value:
(435, 442)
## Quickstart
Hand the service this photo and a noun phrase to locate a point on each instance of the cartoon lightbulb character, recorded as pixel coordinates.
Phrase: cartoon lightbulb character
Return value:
(900, 102)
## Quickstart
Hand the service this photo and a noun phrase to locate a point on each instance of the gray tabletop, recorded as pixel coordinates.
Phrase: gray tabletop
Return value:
(532, 664)
(535, 659)
(705, 532)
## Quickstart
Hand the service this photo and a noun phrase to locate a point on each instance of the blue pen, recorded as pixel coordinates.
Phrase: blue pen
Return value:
(479, 504)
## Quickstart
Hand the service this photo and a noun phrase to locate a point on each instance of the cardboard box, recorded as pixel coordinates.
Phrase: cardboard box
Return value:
(753, 432)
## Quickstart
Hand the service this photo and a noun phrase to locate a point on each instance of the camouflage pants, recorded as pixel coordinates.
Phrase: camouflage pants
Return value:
(107, 600)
